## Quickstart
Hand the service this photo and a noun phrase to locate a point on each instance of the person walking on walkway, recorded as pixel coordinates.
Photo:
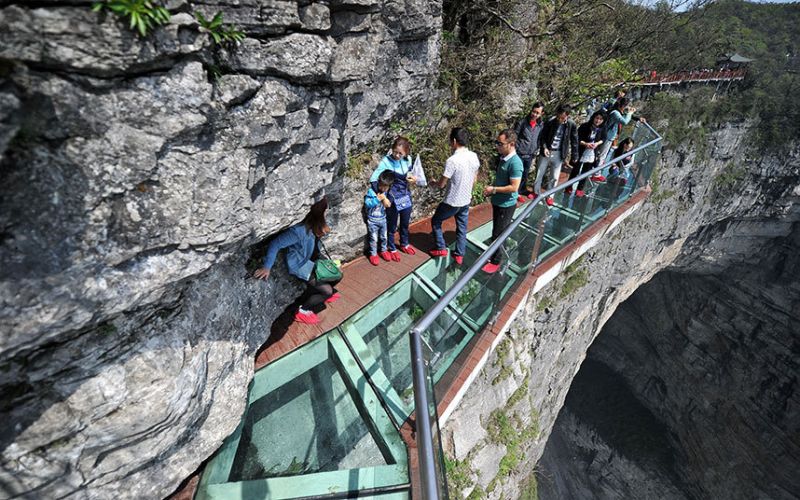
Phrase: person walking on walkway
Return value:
(302, 244)
(528, 130)
(460, 173)
(504, 191)
(591, 136)
(398, 162)
(558, 142)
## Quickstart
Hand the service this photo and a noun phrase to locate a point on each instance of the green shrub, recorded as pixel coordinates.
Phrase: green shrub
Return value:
(458, 476)
(142, 15)
(730, 175)
(218, 31)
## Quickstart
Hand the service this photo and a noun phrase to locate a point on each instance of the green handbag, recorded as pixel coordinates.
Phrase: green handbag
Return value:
(326, 270)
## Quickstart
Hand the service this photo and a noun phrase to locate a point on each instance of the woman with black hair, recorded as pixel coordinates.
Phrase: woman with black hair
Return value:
(620, 170)
(302, 244)
(618, 117)
(591, 136)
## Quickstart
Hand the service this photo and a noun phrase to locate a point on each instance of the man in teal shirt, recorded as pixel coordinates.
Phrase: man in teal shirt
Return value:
(504, 190)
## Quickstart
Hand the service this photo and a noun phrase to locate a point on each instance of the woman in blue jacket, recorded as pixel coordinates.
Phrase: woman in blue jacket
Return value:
(398, 162)
(301, 242)
(621, 115)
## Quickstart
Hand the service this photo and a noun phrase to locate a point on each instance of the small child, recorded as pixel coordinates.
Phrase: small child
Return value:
(376, 204)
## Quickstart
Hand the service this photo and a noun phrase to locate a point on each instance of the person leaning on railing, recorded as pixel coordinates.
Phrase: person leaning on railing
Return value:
(302, 244)
(591, 137)
(621, 115)
(504, 191)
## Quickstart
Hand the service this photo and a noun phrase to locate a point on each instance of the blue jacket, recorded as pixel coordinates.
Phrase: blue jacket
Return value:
(615, 119)
(399, 194)
(375, 209)
(300, 244)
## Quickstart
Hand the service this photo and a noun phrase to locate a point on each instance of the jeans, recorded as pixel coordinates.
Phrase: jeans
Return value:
(605, 148)
(444, 212)
(579, 169)
(551, 164)
(526, 168)
(501, 219)
(391, 225)
(377, 231)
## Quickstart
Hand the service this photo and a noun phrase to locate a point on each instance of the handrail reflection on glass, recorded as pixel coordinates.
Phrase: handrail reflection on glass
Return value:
(427, 471)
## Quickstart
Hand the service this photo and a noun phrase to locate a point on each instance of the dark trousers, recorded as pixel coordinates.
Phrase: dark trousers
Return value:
(526, 168)
(579, 169)
(444, 212)
(392, 215)
(316, 293)
(501, 219)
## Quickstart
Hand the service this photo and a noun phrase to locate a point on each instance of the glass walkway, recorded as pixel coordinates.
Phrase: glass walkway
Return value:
(325, 420)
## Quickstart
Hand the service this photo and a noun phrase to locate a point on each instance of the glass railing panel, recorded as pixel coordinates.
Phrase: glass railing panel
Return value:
(475, 302)
(433, 415)
(517, 248)
(588, 208)
(562, 225)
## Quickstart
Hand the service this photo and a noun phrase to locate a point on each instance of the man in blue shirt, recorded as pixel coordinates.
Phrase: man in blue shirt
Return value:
(504, 190)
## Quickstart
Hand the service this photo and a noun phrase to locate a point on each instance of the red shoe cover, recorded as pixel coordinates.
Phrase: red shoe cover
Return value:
(490, 268)
(373, 259)
(309, 319)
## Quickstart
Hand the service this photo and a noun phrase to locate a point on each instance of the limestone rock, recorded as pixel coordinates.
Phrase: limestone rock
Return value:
(256, 17)
(138, 175)
(316, 16)
(77, 39)
(354, 58)
(299, 56)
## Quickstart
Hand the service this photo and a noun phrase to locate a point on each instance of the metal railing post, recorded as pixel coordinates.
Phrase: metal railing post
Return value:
(427, 459)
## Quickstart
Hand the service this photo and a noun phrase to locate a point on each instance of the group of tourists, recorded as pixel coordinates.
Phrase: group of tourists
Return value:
(549, 145)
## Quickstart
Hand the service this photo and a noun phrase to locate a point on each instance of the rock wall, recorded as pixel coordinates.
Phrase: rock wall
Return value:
(136, 173)
(499, 430)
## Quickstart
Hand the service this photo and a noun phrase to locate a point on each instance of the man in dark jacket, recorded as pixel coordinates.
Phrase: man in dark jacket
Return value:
(528, 130)
(558, 142)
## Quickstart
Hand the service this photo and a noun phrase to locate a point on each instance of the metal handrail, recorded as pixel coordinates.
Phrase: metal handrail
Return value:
(427, 460)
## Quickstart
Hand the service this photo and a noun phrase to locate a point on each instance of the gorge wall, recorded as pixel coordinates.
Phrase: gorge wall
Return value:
(699, 219)
(710, 360)
(136, 173)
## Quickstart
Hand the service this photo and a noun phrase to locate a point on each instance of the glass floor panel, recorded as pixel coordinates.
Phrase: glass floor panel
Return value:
(338, 432)
(379, 336)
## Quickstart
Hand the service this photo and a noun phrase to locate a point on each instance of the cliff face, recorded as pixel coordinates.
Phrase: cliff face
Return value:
(706, 214)
(136, 173)
(712, 358)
